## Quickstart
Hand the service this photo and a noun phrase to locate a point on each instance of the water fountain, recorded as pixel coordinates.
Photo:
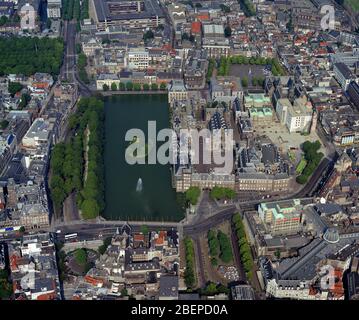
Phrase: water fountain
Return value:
(139, 185)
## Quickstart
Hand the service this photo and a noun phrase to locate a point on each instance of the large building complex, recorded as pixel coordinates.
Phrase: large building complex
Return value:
(130, 14)
(281, 217)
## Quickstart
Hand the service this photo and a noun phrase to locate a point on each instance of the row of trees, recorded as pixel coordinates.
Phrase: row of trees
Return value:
(219, 193)
(213, 245)
(67, 161)
(212, 288)
(219, 243)
(312, 157)
(84, 9)
(68, 9)
(189, 276)
(22, 55)
(211, 66)
(130, 86)
(225, 247)
(66, 170)
(82, 63)
(248, 7)
(225, 64)
(73, 9)
(244, 247)
(92, 199)
(256, 81)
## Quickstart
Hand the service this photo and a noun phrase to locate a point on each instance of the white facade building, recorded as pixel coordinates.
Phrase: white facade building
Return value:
(293, 289)
(54, 9)
(137, 59)
(38, 134)
(296, 117)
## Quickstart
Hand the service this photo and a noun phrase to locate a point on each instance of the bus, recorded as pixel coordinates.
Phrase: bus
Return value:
(70, 236)
(9, 229)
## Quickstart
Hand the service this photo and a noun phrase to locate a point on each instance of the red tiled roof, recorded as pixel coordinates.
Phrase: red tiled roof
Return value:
(40, 85)
(139, 237)
(203, 16)
(196, 27)
(47, 296)
(93, 281)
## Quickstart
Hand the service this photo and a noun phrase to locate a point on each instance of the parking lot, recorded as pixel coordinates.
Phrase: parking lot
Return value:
(249, 71)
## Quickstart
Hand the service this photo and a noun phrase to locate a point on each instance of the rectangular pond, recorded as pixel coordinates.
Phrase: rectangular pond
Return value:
(125, 199)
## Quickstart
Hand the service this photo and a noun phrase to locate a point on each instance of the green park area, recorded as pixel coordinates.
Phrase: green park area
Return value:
(23, 55)
(248, 7)
(312, 159)
(225, 64)
(219, 247)
(213, 288)
(219, 193)
(192, 195)
(68, 161)
(301, 165)
(354, 4)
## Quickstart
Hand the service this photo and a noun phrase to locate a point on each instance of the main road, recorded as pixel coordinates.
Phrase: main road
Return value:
(69, 70)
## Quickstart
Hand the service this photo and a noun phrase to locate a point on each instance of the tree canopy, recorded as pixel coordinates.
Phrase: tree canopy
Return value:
(14, 87)
(192, 195)
(220, 193)
(22, 55)
(189, 276)
(312, 157)
(68, 161)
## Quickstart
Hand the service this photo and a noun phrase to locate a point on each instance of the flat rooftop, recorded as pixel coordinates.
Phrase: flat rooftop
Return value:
(151, 9)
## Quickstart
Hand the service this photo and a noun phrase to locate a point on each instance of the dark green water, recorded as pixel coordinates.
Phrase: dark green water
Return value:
(157, 200)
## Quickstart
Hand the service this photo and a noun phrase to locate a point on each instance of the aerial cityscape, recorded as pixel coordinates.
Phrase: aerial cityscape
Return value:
(179, 150)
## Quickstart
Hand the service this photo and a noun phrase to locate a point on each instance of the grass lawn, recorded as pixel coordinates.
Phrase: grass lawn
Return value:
(354, 4)
(80, 256)
(301, 166)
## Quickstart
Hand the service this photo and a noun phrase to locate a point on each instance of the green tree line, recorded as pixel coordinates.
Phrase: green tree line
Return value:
(248, 7)
(67, 161)
(244, 247)
(211, 66)
(72, 9)
(189, 276)
(82, 63)
(225, 247)
(219, 244)
(130, 86)
(225, 64)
